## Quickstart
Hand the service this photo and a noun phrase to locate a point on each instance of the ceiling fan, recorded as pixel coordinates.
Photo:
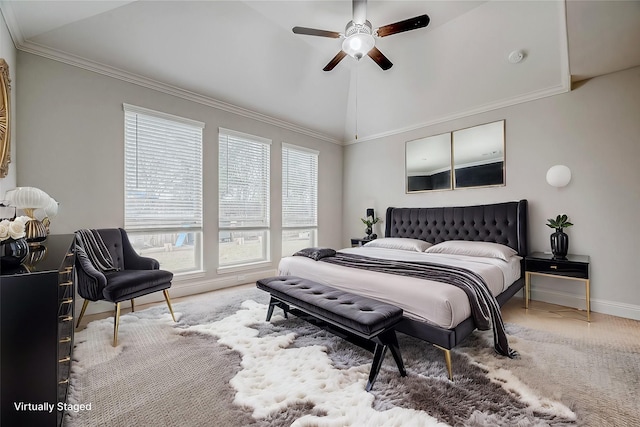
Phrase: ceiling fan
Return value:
(359, 37)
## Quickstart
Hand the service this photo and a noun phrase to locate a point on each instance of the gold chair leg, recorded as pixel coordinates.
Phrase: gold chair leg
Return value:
(116, 323)
(133, 307)
(447, 359)
(84, 307)
(168, 300)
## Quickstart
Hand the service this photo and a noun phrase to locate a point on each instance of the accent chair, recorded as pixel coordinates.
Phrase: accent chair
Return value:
(135, 276)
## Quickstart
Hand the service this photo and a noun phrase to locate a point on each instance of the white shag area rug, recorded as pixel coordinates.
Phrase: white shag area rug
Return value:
(222, 364)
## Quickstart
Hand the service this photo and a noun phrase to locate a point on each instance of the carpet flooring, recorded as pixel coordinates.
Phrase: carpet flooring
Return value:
(221, 364)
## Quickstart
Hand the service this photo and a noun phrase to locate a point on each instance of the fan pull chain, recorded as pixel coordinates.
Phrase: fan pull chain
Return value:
(357, 72)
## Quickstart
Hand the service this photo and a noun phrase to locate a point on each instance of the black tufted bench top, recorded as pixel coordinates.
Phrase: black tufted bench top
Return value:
(362, 315)
(356, 315)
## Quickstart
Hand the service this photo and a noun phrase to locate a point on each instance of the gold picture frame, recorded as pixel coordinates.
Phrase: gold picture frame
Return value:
(5, 118)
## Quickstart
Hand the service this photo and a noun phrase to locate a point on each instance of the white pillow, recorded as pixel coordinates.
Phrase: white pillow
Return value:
(479, 249)
(401, 243)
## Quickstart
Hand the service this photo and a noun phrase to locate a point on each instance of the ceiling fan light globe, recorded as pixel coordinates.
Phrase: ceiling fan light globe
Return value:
(357, 45)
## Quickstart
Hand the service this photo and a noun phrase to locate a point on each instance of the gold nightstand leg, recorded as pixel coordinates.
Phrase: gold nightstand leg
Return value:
(527, 289)
(588, 301)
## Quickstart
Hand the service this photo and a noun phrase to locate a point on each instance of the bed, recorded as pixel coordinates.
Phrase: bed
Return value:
(442, 321)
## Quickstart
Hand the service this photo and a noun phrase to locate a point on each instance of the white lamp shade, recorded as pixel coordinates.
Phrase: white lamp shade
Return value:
(358, 45)
(558, 175)
(51, 209)
(27, 198)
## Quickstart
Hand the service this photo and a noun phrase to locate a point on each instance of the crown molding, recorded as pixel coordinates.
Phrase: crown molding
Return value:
(30, 47)
(36, 49)
(12, 23)
(76, 61)
(563, 87)
(119, 74)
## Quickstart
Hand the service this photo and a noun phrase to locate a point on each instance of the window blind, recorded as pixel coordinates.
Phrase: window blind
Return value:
(299, 187)
(243, 180)
(163, 171)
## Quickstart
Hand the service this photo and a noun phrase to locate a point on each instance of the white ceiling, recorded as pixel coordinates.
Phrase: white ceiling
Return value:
(243, 56)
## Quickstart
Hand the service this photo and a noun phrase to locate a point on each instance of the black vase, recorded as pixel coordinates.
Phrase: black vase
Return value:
(559, 244)
(13, 252)
(368, 231)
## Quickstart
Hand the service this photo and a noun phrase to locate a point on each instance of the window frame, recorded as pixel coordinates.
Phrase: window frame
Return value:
(312, 227)
(264, 229)
(196, 225)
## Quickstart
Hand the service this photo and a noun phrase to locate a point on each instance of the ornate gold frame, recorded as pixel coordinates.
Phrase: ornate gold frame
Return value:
(5, 118)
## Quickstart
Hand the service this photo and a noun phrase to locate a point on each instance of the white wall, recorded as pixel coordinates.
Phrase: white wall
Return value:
(8, 52)
(71, 130)
(70, 145)
(594, 129)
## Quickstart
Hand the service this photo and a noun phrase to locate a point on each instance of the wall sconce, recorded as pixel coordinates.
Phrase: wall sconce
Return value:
(558, 176)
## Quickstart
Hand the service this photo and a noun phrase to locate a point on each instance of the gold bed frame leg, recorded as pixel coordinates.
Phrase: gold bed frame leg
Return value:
(168, 300)
(84, 308)
(116, 323)
(447, 359)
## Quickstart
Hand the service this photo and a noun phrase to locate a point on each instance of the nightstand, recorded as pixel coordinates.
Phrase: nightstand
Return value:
(574, 267)
(359, 242)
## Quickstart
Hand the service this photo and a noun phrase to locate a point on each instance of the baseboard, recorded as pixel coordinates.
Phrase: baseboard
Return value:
(613, 308)
(180, 288)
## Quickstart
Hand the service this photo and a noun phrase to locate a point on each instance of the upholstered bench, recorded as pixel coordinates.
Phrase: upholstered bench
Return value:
(362, 321)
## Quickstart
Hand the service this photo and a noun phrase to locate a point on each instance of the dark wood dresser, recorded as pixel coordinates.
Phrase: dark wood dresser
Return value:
(36, 334)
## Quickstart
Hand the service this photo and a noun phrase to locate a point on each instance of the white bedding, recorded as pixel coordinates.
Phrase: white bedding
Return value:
(429, 301)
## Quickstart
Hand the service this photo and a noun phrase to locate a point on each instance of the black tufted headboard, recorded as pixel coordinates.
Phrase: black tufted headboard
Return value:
(504, 223)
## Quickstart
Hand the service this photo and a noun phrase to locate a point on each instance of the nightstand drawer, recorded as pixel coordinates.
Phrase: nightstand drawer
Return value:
(560, 268)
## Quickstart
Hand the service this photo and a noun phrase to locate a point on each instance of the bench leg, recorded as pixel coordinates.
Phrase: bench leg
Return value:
(390, 339)
(276, 302)
(378, 357)
(386, 339)
(272, 304)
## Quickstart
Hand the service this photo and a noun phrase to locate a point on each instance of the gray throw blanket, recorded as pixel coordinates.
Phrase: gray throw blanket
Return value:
(91, 244)
(485, 309)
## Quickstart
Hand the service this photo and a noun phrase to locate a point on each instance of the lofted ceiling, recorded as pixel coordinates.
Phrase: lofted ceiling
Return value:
(242, 55)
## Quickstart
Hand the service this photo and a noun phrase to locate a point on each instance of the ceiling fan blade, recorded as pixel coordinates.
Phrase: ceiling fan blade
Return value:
(315, 32)
(379, 58)
(359, 11)
(402, 26)
(339, 57)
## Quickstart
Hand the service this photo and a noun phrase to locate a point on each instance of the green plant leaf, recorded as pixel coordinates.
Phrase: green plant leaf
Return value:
(561, 221)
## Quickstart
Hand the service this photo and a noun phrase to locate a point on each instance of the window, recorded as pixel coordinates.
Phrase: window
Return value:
(299, 198)
(243, 198)
(163, 187)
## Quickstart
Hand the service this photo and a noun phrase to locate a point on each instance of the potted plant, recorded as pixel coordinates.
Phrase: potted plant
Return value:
(559, 239)
(369, 221)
